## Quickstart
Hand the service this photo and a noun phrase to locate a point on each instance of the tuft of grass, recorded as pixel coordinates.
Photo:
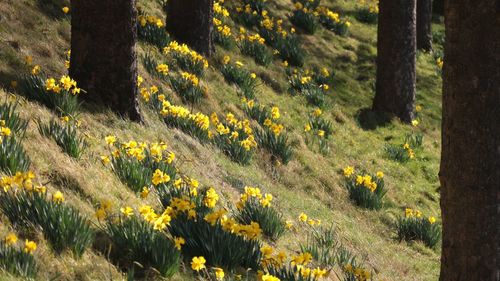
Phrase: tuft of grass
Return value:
(305, 21)
(17, 261)
(151, 29)
(187, 86)
(253, 46)
(11, 118)
(217, 245)
(241, 77)
(323, 245)
(270, 220)
(138, 247)
(413, 226)
(277, 144)
(13, 157)
(64, 103)
(366, 190)
(135, 165)
(66, 137)
(61, 225)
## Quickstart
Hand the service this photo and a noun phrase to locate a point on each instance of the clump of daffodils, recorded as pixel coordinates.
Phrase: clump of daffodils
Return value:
(366, 190)
(414, 226)
(234, 137)
(188, 59)
(140, 165)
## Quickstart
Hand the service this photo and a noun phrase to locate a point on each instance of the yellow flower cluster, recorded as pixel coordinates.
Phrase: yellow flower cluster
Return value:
(151, 20)
(65, 83)
(29, 246)
(300, 7)
(371, 4)
(4, 131)
(181, 206)
(367, 182)
(335, 17)
(254, 192)
(348, 171)
(162, 69)
(187, 183)
(211, 198)
(439, 63)
(147, 93)
(67, 61)
(138, 150)
(233, 130)
(410, 213)
(275, 127)
(409, 150)
(305, 219)
(221, 28)
(184, 50)
(198, 263)
(251, 38)
(104, 210)
(220, 10)
(250, 231)
(159, 222)
(274, 25)
(199, 119)
(160, 177)
(191, 78)
(359, 273)
(21, 181)
(298, 262)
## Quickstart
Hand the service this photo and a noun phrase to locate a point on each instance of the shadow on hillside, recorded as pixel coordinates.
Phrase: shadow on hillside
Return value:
(368, 119)
(53, 8)
(6, 80)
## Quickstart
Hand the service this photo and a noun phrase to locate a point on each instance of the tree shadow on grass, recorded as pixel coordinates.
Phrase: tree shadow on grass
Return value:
(368, 119)
(53, 8)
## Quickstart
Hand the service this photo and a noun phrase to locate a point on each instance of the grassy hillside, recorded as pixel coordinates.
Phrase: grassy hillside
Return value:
(311, 183)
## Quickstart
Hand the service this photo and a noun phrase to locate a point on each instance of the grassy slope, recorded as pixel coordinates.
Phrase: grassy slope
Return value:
(311, 183)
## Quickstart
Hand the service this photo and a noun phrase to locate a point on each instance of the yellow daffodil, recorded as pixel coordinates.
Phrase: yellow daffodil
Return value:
(10, 239)
(29, 246)
(127, 211)
(144, 192)
(348, 171)
(179, 241)
(58, 197)
(219, 273)
(198, 263)
(159, 177)
(302, 217)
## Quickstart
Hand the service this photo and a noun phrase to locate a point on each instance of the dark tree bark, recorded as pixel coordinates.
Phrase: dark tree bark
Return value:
(396, 45)
(438, 7)
(424, 29)
(470, 161)
(190, 22)
(103, 55)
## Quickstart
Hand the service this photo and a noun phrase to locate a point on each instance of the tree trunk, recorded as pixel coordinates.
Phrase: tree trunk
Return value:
(191, 22)
(424, 30)
(470, 161)
(396, 45)
(103, 55)
(438, 7)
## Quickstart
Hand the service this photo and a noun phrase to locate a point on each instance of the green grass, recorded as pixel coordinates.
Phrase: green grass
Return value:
(309, 183)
